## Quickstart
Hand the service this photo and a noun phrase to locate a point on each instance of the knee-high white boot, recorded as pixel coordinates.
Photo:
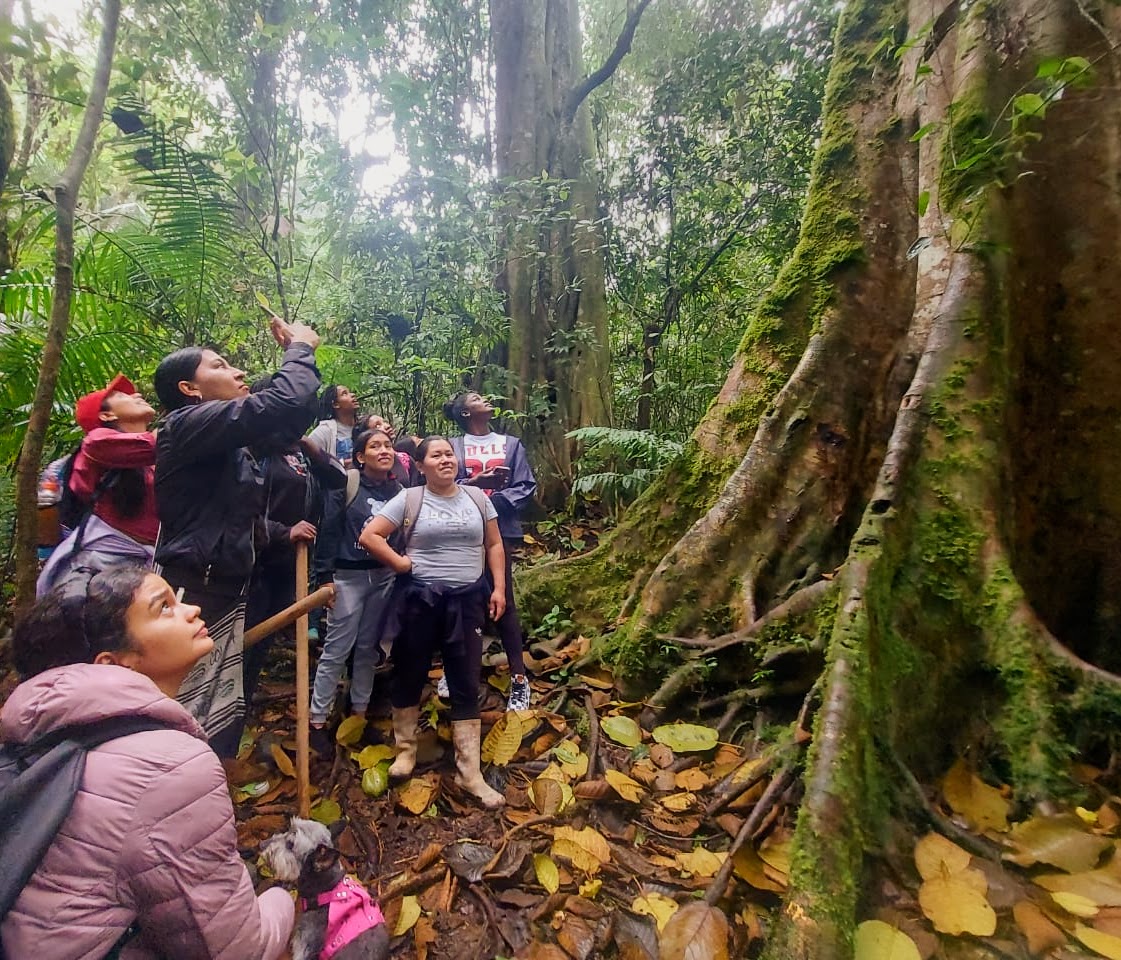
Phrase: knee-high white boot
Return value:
(466, 734)
(405, 723)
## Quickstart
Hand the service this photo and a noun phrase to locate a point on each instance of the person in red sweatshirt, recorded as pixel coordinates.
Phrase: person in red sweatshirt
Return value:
(113, 476)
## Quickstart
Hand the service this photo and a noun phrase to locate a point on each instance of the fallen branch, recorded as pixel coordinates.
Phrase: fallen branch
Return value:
(759, 812)
(405, 884)
(278, 621)
(593, 737)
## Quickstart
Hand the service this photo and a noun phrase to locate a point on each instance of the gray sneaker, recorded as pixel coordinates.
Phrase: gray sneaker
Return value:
(519, 694)
(442, 690)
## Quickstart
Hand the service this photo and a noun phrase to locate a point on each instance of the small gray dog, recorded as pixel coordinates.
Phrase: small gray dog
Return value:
(339, 920)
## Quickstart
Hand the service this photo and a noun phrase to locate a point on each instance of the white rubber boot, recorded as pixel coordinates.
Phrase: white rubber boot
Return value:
(405, 723)
(466, 734)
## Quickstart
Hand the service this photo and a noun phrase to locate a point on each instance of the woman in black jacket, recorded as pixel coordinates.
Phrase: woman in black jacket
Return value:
(209, 494)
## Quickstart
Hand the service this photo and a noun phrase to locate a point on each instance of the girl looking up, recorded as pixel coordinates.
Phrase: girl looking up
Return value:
(497, 464)
(146, 860)
(210, 494)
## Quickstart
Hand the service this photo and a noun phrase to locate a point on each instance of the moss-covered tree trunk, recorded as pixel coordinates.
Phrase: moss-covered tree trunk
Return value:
(917, 447)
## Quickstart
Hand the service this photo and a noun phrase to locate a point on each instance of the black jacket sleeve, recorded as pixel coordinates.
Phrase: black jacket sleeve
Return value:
(218, 425)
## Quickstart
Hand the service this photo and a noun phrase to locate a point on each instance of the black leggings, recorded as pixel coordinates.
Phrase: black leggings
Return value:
(422, 634)
(509, 626)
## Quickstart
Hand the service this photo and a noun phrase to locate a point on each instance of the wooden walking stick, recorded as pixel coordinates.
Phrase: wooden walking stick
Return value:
(323, 597)
(303, 777)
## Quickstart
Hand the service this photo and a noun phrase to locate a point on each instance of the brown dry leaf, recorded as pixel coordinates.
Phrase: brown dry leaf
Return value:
(417, 795)
(586, 849)
(1100, 886)
(623, 785)
(1102, 943)
(283, 761)
(424, 935)
(692, 779)
(655, 905)
(577, 936)
(644, 772)
(546, 795)
(503, 740)
(665, 781)
(1040, 932)
(775, 852)
(748, 866)
(675, 824)
(935, 856)
(536, 950)
(1108, 920)
(592, 790)
(600, 681)
(556, 721)
(543, 743)
(428, 856)
(956, 907)
(982, 806)
(700, 862)
(695, 932)
(661, 755)
(1108, 820)
(1060, 841)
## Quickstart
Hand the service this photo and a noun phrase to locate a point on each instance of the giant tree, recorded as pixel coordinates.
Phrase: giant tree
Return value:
(551, 269)
(913, 460)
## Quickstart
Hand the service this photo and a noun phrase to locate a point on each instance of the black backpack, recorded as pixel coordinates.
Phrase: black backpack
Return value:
(72, 511)
(38, 783)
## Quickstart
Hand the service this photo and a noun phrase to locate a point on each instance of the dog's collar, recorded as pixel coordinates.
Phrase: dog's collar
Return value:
(350, 912)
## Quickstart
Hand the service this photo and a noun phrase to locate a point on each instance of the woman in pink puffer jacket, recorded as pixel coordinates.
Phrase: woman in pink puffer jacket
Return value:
(150, 840)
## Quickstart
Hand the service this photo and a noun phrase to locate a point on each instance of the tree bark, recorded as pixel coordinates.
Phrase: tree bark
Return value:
(66, 199)
(922, 411)
(551, 270)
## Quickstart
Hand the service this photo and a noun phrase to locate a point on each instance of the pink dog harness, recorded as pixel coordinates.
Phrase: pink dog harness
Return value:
(351, 911)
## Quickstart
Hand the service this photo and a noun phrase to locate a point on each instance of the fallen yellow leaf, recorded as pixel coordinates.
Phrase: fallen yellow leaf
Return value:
(655, 905)
(547, 873)
(1105, 944)
(956, 907)
(1075, 903)
(409, 915)
(983, 807)
(623, 785)
(935, 856)
(876, 940)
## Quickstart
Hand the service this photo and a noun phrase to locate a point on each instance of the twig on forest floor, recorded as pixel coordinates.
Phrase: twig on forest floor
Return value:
(976, 845)
(483, 897)
(774, 790)
(736, 790)
(404, 884)
(593, 737)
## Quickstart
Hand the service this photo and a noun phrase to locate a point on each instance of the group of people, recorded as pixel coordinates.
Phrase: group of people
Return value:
(190, 533)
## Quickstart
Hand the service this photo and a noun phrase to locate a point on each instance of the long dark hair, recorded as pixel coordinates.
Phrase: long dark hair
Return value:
(362, 439)
(327, 402)
(177, 366)
(81, 617)
(456, 407)
(128, 487)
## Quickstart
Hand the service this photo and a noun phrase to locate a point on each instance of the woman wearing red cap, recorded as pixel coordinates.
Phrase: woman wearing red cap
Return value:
(113, 476)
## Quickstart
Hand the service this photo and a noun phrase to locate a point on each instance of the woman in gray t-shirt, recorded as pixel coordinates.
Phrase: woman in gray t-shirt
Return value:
(451, 534)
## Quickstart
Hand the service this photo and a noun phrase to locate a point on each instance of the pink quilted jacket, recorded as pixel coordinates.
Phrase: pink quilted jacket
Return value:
(150, 837)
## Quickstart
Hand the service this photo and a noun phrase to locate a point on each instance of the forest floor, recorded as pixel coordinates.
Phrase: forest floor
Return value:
(611, 827)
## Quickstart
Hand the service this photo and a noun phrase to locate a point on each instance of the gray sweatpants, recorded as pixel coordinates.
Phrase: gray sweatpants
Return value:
(356, 621)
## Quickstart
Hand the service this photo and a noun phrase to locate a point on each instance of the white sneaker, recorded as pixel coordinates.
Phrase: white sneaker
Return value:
(519, 695)
(442, 690)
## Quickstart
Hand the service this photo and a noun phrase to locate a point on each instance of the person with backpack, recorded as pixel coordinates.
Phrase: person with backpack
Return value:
(108, 498)
(363, 585)
(497, 464)
(450, 536)
(129, 845)
(210, 494)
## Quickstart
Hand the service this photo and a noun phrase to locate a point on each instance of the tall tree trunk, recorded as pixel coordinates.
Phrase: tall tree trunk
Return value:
(66, 199)
(917, 441)
(552, 260)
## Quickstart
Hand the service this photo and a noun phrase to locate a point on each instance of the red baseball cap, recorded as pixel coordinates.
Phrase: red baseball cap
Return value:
(87, 411)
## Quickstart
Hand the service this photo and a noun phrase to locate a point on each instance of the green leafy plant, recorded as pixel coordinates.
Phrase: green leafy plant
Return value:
(617, 465)
(554, 622)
